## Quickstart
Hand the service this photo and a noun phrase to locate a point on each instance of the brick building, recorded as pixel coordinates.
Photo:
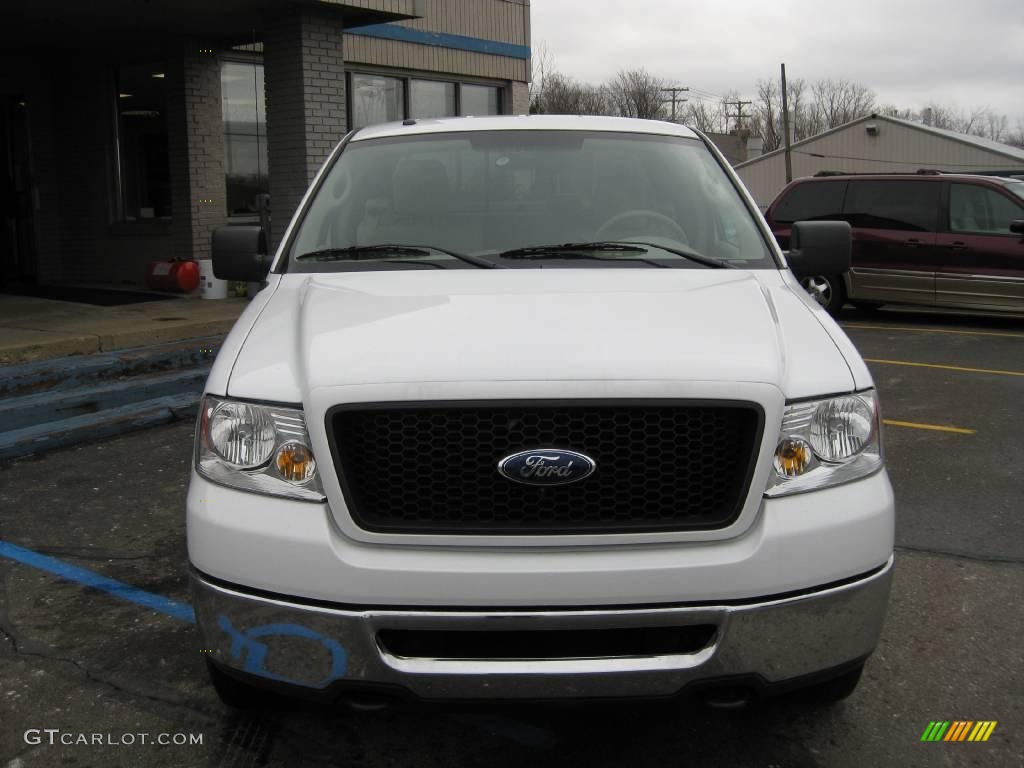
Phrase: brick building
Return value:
(128, 130)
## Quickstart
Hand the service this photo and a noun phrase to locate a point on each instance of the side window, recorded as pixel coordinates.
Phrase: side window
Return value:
(981, 210)
(814, 201)
(906, 205)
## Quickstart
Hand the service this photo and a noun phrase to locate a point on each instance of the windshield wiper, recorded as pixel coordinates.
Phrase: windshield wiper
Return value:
(564, 250)
(356, 252)
(577, 251)
(688, 253)
(574, 251)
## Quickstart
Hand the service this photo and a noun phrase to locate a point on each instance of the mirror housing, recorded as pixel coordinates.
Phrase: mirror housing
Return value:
(240, 253)
(819, 248)
(1017, 226)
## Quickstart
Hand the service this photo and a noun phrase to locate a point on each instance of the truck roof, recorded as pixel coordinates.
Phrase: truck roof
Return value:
(524, 123)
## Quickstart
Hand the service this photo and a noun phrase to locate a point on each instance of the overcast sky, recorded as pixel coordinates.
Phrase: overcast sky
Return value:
(968, 53)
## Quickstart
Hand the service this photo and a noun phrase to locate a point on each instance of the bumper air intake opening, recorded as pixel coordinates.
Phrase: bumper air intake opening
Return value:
(525, 645)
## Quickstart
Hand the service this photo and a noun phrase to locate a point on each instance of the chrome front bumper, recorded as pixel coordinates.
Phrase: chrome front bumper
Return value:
(323, 649)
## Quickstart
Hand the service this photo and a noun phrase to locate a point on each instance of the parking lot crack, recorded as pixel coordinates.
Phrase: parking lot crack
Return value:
(961, 555)
(48, 655)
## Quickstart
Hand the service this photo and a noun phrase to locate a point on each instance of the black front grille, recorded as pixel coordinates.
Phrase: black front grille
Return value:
(660, 466)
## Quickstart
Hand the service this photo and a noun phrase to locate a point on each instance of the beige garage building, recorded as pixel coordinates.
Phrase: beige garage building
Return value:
(878, 144)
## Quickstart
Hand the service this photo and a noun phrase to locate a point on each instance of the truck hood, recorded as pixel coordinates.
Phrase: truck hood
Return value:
(418, 326)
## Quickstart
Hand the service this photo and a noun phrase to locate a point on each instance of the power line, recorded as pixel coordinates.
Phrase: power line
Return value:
(702, 94)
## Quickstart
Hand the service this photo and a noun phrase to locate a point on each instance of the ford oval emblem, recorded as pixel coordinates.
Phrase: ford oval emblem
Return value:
(547, 466)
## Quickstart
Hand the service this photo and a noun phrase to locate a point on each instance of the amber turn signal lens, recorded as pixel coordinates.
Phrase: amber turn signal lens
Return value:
(295, 462)
(792, 457)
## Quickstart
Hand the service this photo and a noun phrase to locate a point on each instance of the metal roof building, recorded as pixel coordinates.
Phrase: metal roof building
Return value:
(878, 144)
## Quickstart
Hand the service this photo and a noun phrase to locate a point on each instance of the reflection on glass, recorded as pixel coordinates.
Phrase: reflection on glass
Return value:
(480, 100)
(375, 100)
(142, 142)
(428, 98)
(245, 134)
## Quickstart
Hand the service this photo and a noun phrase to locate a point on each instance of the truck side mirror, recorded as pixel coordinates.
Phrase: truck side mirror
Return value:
(240, 253)
(819, 248)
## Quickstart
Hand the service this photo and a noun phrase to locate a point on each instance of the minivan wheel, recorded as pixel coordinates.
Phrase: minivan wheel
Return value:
(827, 290)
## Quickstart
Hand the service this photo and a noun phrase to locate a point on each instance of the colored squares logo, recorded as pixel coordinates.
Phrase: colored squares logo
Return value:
(958, 730)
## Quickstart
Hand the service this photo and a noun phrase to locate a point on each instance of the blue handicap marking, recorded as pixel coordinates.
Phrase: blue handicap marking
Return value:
(256, 652)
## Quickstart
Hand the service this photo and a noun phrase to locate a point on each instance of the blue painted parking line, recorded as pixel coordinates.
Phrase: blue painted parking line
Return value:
(158, 603)
(515, 730)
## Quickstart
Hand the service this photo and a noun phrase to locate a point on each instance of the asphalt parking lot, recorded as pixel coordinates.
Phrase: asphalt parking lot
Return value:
(78, 660)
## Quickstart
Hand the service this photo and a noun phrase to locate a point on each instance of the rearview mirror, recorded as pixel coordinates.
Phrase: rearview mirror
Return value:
(819, 248)
(1017, 225)
(240, 253)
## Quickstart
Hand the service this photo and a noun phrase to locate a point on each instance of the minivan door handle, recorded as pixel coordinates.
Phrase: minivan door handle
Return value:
(958, 245)
(913, 242)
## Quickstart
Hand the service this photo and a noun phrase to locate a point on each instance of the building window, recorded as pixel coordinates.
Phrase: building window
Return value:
(479, 100)
(431, 98)
(144, 168)
(245, 135)
(376, 99)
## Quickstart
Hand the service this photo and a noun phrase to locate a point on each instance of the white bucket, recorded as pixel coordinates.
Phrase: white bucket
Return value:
(209, 286)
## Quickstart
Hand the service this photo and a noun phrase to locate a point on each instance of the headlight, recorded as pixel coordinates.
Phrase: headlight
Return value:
(261, 448)
(826, 442)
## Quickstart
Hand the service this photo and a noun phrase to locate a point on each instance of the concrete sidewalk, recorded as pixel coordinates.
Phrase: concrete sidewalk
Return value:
(40, 329)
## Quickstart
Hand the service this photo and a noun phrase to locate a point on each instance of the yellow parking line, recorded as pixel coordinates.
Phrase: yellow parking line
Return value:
(944, 367)
(931, 330)
(931, 427)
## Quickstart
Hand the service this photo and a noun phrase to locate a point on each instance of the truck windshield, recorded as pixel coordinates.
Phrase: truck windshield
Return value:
(468, 199)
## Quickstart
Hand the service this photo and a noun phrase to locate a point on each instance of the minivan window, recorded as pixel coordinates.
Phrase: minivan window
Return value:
(893, 204)
(482, 193)
(811, 202)
(978, 209)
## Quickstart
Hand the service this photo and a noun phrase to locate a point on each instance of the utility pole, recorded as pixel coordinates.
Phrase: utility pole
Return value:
(739, 111)
(785, 127)
(675, 91)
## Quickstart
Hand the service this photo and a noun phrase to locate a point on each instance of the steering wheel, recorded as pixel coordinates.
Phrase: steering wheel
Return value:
(667, 224)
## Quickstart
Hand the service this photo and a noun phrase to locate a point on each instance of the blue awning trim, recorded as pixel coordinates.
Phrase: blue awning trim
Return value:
(443, 40)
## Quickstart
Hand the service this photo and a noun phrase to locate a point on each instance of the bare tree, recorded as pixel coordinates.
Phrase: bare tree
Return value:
(996, 126)
(952, 118)
(564, 95)
(900, 113)
(704, 116)
(767, 118)
(837, 102)
(541, 64)
(1016, 137)
(637, 93)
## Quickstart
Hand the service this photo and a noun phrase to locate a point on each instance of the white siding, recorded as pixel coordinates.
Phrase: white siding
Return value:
(897, 148)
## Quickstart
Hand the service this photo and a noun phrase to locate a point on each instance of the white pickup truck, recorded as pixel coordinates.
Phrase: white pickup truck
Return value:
(533, 408)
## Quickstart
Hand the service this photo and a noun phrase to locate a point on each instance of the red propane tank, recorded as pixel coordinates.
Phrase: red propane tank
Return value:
(179, 276)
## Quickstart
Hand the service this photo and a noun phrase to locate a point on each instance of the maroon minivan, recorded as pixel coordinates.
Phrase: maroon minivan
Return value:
(937, 239)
